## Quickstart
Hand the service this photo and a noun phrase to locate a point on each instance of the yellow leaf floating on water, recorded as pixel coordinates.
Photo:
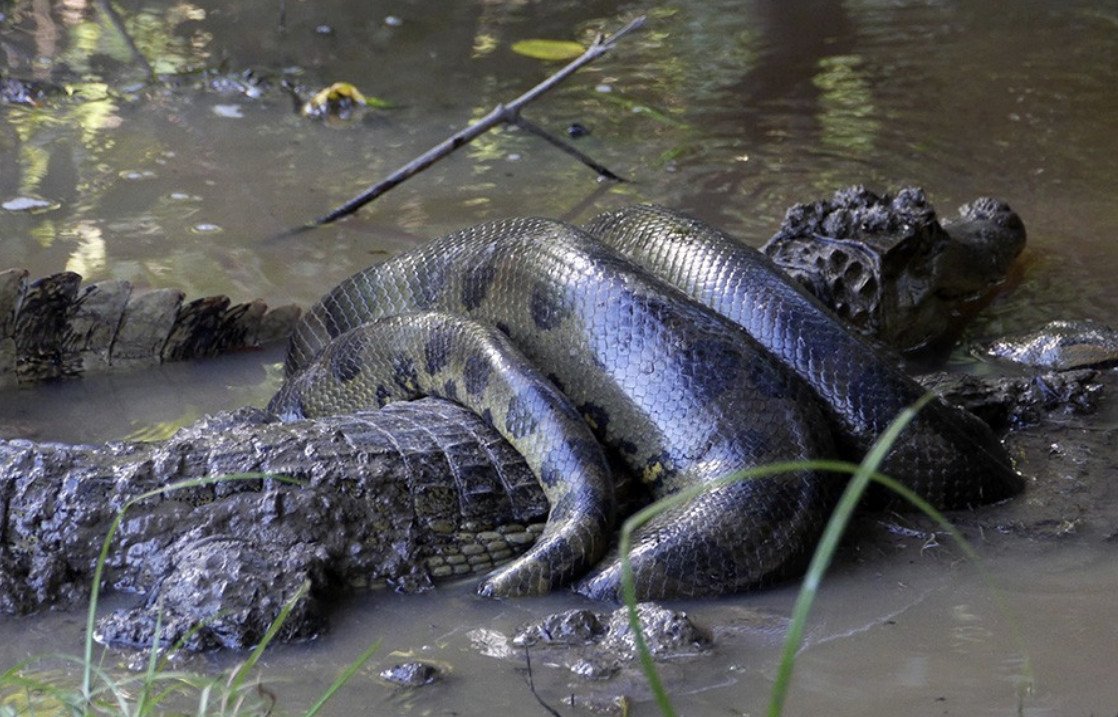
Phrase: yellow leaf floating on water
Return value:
(339, 91)
(548, 49)
(336, 100)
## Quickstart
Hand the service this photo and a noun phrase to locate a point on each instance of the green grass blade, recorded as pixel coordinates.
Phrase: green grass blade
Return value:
(14, 671)
(343, 678)
(204, 701)
(828, 544)
(153, 660)
(238, 677)
(143, 695)
(12, 680)
(84, 701)
(103, 556)
(820, 559)
(629, 593)
(628, 585)
(94, 594)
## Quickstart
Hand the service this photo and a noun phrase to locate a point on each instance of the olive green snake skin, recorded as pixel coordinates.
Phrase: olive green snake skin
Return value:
(686, 354)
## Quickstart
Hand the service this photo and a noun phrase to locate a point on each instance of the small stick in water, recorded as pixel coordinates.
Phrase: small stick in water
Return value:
(501, 114)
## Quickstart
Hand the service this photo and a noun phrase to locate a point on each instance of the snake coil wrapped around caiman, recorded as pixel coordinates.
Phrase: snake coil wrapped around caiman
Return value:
(686, 354)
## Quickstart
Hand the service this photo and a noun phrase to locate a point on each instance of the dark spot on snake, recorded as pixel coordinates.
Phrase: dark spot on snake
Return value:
(751, 438)
(431, 284)
(716, 365)
(658, 309)
(596, 416)
(556, 382)
(487, 416)
(867, 383)
(450, 390)
(546, 307)
(436, 353)
(627, 447)
(710, 560)
(551, 474)
(475, 285)
(768, 378)
(343, 367)
(585, 451)
(329, 315)
(579, 452)
(520, 419)
(404, 374)
(476, 375)
(383, 395)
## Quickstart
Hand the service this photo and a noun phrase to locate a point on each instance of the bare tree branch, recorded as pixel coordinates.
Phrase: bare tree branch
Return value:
(501, 114)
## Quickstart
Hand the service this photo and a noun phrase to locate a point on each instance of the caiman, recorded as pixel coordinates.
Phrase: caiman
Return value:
(396, 497)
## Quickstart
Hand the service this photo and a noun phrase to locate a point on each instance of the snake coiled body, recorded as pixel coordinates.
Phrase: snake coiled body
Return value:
(948, 456)
(735, 368)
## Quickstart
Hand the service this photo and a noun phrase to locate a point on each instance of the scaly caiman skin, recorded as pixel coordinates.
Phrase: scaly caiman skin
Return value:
(681, 393)
(420, 490)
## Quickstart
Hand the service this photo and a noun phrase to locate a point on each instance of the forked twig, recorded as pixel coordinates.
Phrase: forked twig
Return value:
(501, 114)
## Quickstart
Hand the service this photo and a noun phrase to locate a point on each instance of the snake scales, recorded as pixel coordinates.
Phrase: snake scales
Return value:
(687, 355)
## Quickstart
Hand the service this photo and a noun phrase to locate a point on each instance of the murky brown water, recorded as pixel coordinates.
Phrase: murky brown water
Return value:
(731, 110)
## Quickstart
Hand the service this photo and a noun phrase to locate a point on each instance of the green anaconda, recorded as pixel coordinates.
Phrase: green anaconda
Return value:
(688, 355)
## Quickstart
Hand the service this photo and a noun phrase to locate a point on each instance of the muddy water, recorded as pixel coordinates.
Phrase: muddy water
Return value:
(731, 110)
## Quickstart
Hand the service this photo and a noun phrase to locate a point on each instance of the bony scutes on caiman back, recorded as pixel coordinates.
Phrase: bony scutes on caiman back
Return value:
(655, 339)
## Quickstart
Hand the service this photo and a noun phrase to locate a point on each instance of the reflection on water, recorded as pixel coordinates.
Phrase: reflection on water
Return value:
(846, 111)
(730, 109)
